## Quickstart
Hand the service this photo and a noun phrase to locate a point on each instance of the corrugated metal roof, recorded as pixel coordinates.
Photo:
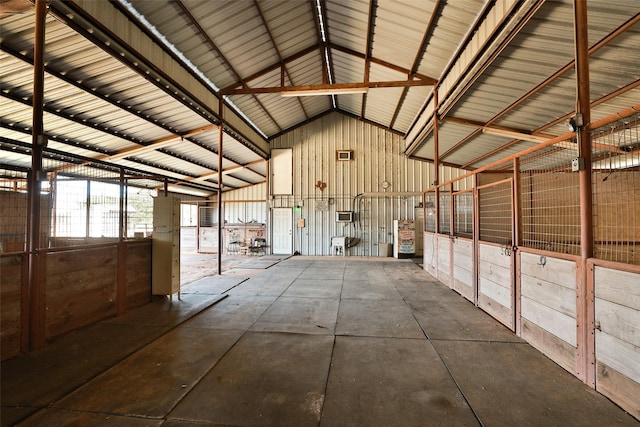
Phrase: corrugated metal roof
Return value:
(530, 87)
(104, 96)
(97, 105)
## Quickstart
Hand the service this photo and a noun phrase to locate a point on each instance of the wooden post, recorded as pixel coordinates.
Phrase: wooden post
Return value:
(36, 293)
(585, 292)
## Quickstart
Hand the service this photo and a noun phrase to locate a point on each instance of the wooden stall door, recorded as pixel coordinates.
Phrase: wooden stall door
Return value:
(496, 284)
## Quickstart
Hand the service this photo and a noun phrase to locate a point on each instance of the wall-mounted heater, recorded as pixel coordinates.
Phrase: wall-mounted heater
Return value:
(344, 216)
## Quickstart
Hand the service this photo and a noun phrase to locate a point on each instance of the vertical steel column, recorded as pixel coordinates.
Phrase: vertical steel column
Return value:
(267, 207)
(121, 282)
(436, 161)
(220, 219)
(585, 292)
(53, 189)
(36, 293)
(517, 241)
(87, 212)
(122, 207)
(197, 227)
(476, 240)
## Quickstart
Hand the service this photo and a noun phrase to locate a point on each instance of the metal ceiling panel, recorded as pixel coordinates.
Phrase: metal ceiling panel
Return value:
(412, 103)
(348, 23)
(351, 103)
(508, 151)
(237, 30)
(381, 104)
(99, 100)
(307, 69)
(175, 26)
(452, 25)
(291, 24)
(347, 68)
(399, 30)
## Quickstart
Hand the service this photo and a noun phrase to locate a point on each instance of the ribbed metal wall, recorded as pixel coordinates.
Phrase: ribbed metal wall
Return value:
(246, 204)
(351, 184)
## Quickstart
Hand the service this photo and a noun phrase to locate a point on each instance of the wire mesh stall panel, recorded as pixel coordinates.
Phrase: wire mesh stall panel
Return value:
(550, 200)
(139, 194)
(86, 201)
(13, 259)
(495, 263)
(463, 213)
(462, 250)
(445, 210)
(430, 211)
(616, 191)
(496, 213)
(208, 229)
(14, 202)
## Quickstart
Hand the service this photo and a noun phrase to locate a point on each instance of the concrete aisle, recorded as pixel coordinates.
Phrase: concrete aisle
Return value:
(307, 342)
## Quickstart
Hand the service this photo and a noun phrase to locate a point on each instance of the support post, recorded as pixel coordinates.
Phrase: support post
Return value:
(220, 219)
(36, 293)
(121, 284)
(585, 292)
(517, 241)
(436, 161)
(87, 211)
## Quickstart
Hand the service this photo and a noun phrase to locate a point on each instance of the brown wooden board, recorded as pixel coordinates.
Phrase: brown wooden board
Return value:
(10, 305)
(80, 288)
(619, 388)
(138, 269)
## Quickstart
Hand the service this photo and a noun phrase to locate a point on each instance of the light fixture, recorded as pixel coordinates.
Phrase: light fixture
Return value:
(324, 91)
(575, 122)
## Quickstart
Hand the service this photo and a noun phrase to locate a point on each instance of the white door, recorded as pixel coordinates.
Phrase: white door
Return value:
(282, 241)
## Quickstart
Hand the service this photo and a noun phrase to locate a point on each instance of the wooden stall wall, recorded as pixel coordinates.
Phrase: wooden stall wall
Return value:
(430, 256)
(496, 282)
(617, 318)
(616, 225)
(548, 307)
(444, 260)
(463, 268)
(12, 275)
(13, 221)
(80, 288)
(138, 271)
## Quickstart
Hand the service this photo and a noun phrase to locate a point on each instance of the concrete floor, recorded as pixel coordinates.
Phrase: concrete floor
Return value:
(306, 342)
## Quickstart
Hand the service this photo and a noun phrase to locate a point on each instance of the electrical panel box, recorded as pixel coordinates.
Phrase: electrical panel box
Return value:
(577, 164)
